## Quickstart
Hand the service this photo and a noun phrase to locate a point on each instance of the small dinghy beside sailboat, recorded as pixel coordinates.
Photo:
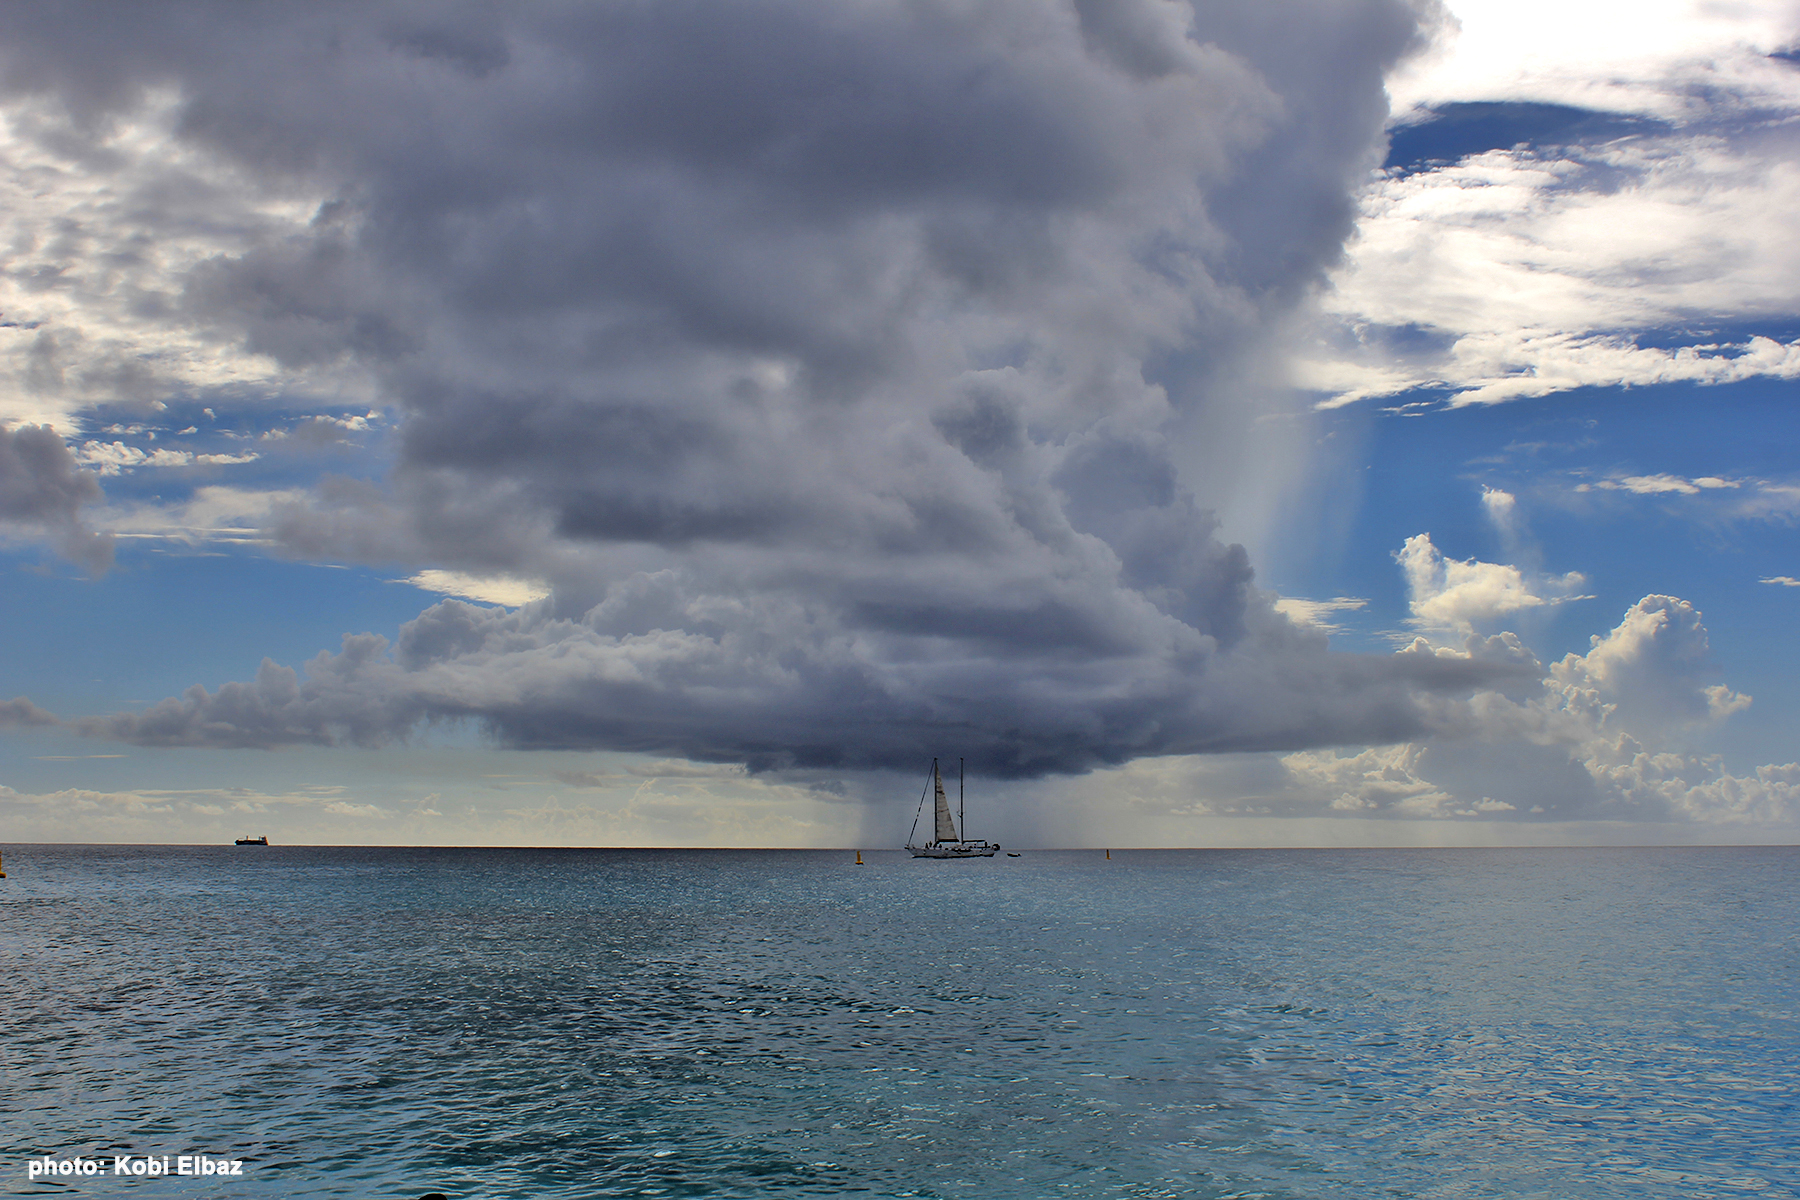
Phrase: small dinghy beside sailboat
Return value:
(944, 842)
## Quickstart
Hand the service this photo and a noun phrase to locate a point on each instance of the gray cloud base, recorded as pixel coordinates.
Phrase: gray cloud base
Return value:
(854, 373)
(727, 690)
(43, 488)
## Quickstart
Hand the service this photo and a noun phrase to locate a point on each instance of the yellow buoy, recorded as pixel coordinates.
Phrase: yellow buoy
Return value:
(1109, 856)
(859, 861)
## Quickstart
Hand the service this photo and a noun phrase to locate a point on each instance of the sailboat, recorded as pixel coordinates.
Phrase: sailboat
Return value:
(944, 842)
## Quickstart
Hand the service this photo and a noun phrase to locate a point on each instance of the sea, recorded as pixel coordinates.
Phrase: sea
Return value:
(380, 1022)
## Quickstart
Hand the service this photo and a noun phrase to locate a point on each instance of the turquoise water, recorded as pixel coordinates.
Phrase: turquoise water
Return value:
(550, 1023)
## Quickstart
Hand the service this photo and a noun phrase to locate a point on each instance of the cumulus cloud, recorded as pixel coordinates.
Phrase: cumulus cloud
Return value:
(818, 383)
(1655, 665)
(1453, 595)
(1370, 780)
(1612, 735)
(321, 431)
(1699, 789)
(1624, 706)
(1598, 738)
(112, 458)
(852, 376)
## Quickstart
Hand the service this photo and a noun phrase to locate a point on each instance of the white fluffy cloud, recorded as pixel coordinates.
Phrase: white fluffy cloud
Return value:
(1521, 271)
(1653, 668)
(1534, 271)
(1596, 739)
(110, 458)
(1670, 59)
(1381, 778)
(1456, 596)
(1600, 739)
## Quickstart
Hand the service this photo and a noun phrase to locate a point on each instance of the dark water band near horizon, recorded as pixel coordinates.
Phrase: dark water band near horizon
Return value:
(587, 1023)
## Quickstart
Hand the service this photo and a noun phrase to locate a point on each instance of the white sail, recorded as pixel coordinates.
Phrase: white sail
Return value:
(946, 828)
(945, 843)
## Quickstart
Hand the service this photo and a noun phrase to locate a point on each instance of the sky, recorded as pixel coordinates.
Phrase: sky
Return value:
(1289, 423)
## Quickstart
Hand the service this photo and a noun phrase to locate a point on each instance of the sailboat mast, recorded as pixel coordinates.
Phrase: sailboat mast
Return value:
(962, 818)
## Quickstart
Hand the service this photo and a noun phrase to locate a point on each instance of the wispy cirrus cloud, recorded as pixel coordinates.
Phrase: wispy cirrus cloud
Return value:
(487, 589)
(1318, 614)
(1660, 485)
(1702, 497)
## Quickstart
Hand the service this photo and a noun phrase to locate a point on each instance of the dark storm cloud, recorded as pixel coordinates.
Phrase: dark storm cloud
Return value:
(844, 367)
(1016, 691)
(42, 488)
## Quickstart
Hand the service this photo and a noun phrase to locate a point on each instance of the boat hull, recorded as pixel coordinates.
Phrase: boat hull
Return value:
(954, 850)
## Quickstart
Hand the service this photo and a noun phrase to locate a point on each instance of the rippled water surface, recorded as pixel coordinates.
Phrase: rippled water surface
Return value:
(565, 1023)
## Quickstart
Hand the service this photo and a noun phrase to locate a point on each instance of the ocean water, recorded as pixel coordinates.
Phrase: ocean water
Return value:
(567, 1023)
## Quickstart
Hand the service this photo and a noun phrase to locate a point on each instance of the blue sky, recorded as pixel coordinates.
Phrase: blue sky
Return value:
(1365, 424)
